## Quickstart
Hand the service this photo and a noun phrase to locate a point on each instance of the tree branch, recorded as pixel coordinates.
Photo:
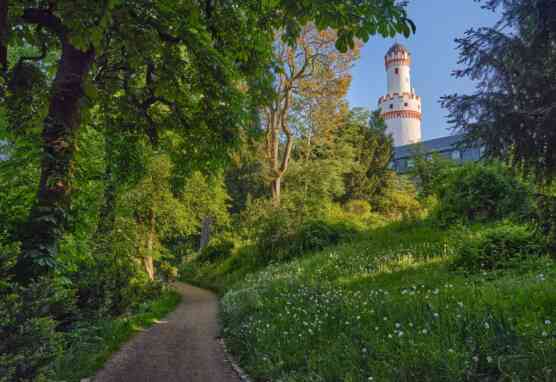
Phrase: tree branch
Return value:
(46, 19)
(4, 35)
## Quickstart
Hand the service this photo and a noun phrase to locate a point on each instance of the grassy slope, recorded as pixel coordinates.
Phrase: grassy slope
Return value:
(387, 308)
(97, 342)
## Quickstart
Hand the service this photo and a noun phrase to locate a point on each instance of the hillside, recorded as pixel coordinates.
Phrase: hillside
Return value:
(388, 306)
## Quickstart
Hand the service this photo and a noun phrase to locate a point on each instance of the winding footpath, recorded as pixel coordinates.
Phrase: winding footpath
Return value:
(182, 347)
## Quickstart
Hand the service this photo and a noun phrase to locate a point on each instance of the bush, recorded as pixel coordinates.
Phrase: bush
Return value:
(282, 240)
(479, 193)
(545, 217)
(29, 340)
(217, 251)
(501, 247)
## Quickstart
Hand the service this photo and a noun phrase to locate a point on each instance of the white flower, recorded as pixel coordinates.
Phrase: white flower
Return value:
(547, 322)
(400, 334)
(489, 359)
(544, 334)
(475, 358)
(398, 324)
(424, 331)
(435, 315)
(487, 326)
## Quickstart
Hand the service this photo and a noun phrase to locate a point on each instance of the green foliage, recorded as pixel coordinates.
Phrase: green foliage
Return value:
(501, 247)
(30, 341)
(545, 218)
(478, 193)
(398, 199)
(280, 240)
(511, 112)
(373, 150)
(217, 251)
(430, 170)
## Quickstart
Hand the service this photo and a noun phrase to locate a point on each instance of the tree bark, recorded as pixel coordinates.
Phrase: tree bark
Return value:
(47, 219)
(151, 236)
(276, 191)
(4, 36)
(206, 231)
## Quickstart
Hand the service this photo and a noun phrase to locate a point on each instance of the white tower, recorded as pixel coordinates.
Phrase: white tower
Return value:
(400, 107)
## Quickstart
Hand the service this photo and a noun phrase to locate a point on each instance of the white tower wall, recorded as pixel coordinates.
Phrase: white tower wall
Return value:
(399, 82)
(400, 107)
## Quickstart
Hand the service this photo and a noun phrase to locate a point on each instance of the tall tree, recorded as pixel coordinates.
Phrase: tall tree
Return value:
(513, 109)
(156, 51)
(368, 177)
(299, 69)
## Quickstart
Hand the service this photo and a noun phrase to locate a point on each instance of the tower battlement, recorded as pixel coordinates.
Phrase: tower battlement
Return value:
(400, 107)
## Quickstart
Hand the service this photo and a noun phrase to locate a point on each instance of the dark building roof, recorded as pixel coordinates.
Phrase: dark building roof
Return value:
(449, 142)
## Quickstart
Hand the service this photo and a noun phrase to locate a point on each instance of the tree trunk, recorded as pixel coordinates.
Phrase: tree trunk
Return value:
(4, 36)
(148, 259)
(206, 230)
(46, 222)
(276, 191)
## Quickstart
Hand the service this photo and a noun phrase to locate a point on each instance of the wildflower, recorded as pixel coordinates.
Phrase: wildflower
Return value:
(475, 358)
(389, 336)
(460, 304)
(398, 325)
(400, 333)
(547, 322)
(487, 326)
(450, 350)
(544, 334)
(489, 359)
(435, 315)
(424, 331)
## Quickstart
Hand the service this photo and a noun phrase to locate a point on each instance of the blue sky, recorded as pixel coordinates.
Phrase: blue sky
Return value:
(438, 22)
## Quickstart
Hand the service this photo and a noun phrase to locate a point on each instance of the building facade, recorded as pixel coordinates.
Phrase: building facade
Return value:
(450, 147)
(400, 107)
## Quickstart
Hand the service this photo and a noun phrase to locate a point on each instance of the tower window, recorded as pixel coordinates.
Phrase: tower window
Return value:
(406, 104)
(391, 106)
(397, 71)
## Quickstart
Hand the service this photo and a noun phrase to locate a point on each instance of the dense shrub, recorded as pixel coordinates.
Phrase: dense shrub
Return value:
(500, 247)
(479, 193)
(218, 250)
(29, 340)
(280, 239)
(545, 216)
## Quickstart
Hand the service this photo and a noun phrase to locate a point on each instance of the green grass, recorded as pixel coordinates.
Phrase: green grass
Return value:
(388, 308)
(93, 343)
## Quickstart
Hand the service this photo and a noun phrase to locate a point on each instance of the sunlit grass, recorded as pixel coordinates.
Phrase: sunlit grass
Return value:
(390, 308)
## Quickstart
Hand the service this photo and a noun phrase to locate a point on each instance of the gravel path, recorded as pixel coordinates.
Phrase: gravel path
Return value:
(182, 347)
